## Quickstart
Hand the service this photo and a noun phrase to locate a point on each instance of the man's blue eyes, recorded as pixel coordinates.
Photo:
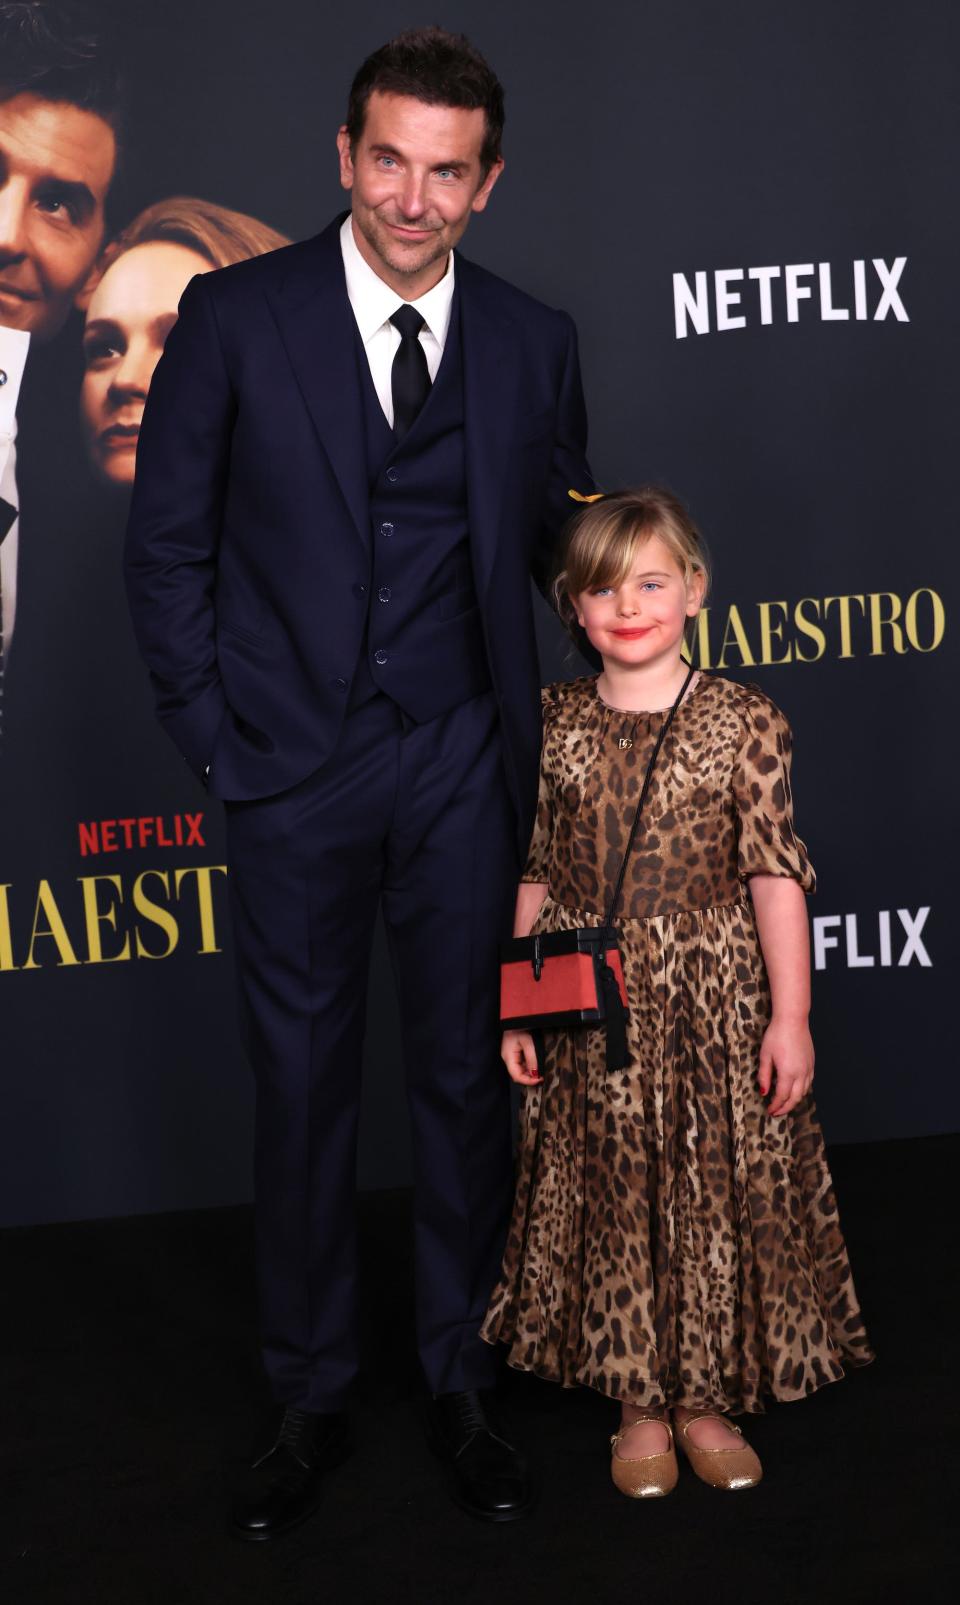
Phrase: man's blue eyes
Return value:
(442, 172)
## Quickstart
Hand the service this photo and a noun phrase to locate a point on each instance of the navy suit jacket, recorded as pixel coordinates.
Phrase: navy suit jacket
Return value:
(249, 525)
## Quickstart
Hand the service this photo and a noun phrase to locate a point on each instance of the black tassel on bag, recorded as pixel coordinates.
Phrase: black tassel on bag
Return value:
(618, 1054)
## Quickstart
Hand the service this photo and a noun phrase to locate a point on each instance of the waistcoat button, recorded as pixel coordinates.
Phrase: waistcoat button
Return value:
(380, 657)
(384, 593)
(392, 476)
(386, 529)
(339, 684)
(359, 590)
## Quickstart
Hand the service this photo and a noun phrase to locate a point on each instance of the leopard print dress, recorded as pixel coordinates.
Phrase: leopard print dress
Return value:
(672, 1243)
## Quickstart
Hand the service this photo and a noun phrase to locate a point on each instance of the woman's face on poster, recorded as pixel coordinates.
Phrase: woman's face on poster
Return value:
(130, 314)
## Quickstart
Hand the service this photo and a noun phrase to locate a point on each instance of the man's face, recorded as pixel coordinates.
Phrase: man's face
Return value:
(56, 163)
(415, 177)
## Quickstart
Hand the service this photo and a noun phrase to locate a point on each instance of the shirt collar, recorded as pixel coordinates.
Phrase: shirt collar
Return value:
(14, 344)
(374, 302)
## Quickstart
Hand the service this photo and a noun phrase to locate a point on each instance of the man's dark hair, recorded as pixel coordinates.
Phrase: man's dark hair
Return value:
(57, 50)
(439, 68)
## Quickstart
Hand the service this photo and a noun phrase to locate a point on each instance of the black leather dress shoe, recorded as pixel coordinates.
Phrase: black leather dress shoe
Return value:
(282, 1486)
(487, 1476)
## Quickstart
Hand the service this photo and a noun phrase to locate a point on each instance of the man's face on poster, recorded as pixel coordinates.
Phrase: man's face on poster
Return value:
(56, 163)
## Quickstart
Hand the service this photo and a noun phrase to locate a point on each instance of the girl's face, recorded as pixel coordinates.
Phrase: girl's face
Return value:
(130, 314)
(640, 622)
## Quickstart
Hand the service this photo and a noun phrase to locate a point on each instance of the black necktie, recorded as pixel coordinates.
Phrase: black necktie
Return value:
(410, 376)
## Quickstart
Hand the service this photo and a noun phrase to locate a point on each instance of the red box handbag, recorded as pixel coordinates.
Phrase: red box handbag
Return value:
(559, 980)
(555, 978)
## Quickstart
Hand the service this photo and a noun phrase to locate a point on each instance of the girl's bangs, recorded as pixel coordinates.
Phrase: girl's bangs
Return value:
(612, 557)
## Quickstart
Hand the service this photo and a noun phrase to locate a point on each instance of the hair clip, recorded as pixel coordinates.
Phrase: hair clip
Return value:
(596, 497)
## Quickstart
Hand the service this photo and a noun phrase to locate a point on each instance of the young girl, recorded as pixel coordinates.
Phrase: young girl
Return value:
(674, 1240)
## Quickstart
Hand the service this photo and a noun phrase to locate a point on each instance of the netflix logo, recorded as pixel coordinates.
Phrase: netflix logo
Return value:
(148, 830)
(860, 943)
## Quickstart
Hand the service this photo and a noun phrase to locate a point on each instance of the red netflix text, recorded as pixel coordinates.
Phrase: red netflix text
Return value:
(152, 830)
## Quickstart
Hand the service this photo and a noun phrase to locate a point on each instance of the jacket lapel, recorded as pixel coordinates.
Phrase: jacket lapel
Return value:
(316, 326)
(491, 379)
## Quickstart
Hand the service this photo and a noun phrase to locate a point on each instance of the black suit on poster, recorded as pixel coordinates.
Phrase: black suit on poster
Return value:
(341, 627)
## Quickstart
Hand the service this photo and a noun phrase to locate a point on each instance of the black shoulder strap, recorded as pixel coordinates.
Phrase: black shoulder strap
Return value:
(668, 721)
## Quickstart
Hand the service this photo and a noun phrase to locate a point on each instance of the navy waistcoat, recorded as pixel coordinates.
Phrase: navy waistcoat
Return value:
(423, 642)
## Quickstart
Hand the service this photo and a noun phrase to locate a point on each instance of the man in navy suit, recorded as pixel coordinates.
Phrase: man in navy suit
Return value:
(356, 452)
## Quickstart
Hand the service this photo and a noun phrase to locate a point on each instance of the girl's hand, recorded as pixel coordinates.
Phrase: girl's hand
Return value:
(520, 1057)
(787, 1049)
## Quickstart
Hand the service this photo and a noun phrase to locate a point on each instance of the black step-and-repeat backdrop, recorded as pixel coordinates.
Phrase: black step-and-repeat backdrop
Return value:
(748, 209)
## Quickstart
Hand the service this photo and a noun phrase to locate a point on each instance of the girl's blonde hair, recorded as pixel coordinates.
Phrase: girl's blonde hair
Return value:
(603, 539)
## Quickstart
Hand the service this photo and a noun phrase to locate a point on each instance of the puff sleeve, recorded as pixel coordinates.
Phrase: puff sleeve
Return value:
(768, 843)
(537, 866)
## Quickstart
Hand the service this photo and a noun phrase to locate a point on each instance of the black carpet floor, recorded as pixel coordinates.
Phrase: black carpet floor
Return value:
(131, 1385)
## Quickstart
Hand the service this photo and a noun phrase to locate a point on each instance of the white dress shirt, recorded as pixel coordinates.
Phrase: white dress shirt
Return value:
(374, 303)
(13, 358)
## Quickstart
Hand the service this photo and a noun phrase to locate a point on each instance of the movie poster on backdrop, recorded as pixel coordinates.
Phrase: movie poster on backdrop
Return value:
(763, 299)
(114, 934)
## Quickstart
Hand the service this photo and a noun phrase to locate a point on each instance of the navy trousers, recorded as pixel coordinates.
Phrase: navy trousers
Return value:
(418, 817)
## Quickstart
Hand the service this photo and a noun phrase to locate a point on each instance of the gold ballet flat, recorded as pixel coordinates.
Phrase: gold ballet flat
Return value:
(732, 1469)
(651, 1476)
